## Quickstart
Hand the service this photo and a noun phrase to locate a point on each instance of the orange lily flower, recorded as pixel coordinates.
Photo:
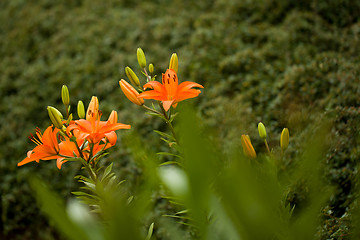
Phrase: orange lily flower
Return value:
(47, 146)
(170, 92)
(95, 130)
(69, 149)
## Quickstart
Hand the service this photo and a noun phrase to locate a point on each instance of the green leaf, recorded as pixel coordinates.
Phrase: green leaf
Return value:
(169, 154)
(89, 201)
(156, 115)
(107, 171)
(170, 162)
(178, 217)
(74, 159)
(54, 207)
(107, 179)
(167, 141)
(165, 135)
(182, 212)
(82, 179)
(172, 117)
(90, 185)
(85, 194)
(150, 231)
(89, 189)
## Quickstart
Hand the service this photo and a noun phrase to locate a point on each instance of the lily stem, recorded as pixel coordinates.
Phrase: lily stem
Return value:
(151, 110)
(148, 78)
(79, 150)
(168, 122)
(267, 147)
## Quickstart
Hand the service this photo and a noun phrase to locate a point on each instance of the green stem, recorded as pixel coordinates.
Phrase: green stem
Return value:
(151, 110)
(267, 147)
(67, 111)
(168, 122)
(91, 173)
(148, 78)
(79, 150)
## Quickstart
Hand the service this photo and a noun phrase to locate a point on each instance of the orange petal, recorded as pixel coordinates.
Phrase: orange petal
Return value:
(113, 127)
(156, 86)
(112, 137)
(113, 118)
(27, 160)
(49, 139)
(167, 104)
(60, 162)
(187, 94)
(152, 94)
(184, 86)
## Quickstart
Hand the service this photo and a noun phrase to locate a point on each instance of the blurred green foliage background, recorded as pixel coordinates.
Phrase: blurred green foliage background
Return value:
(285, 63)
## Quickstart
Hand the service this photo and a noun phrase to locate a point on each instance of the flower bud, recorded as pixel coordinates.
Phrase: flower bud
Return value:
(81, 109)
(174, 63)
(93, 109)
(284, 139)
(151, 68)
(130, 92)
(262, 130)
(247, 147)
(55, 117)
(132, 76)
(113, 118)
(65, 95)
(141, 58)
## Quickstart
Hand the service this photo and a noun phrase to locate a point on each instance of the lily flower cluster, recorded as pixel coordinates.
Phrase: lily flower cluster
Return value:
(69, 139)
(169, 92)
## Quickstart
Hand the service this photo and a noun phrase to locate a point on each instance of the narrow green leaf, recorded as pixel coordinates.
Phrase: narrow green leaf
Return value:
(85, 194)
(169, 154)
(107, 171)
(150, 231)
(170, 162)
(168, 136)
(172, 117)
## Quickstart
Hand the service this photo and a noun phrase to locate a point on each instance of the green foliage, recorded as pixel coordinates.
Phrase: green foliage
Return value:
(279, 62)
(226, 196)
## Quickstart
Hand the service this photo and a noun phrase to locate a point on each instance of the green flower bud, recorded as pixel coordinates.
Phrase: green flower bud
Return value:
(132, 76)
(65, 95)
(174, 62)
(262, 130)
(284, 139)
(81, 109)
(55, 117)
(151, 68)
(141, 58)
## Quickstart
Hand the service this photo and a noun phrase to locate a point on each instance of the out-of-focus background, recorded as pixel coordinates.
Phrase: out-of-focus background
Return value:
(285, 63)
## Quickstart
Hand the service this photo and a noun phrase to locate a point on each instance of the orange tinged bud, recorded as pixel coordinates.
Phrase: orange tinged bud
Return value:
(93, 109)
(247, 147)
(113, 118)
(130, 92)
